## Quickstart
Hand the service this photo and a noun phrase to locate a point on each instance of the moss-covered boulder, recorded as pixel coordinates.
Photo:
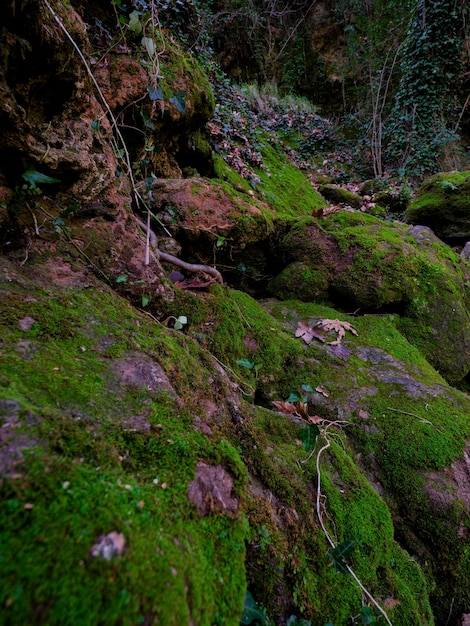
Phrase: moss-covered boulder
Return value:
(443, 203)
(362, 264)
(224, 221)
(410, 432)
(340, 195)
(147, 472)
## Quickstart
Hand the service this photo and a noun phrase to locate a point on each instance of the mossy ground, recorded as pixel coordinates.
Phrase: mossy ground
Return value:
(282, 185)
(285, 186)
(105, 455)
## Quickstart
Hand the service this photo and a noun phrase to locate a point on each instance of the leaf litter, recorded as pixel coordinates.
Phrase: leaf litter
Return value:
(319, 331)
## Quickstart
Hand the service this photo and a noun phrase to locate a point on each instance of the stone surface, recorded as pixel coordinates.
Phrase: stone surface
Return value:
(442, 203)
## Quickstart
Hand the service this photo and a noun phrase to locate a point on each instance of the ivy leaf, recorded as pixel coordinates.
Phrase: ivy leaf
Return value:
(293, 397)
(339, 554)
(368, 616)
(179, 101)
(145, 300)
(155, 94)
(252, 611)
(32, 176)
(246, 363)
(135, 25)
(149, 45)
(298, 621)
(308, 436)
(122, 278)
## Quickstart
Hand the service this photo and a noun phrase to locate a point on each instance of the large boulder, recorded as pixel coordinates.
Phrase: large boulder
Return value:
(364, 265)
(443, 203)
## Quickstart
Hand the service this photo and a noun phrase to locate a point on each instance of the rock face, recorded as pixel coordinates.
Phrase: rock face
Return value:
(442, 203)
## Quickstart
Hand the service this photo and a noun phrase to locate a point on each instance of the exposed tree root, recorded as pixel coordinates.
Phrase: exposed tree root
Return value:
(169, 258)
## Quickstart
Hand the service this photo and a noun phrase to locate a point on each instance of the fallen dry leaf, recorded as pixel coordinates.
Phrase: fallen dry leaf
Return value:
(315, 419)
(307, 333)
(338, 327)
(285, 407)
(323, 391)
(300, 409)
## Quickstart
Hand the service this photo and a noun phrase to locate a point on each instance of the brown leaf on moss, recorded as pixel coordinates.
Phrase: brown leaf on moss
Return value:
(323, 391)
(318, 331)
(338, 327)
(308, 333)
(315, 419)
(108, 546)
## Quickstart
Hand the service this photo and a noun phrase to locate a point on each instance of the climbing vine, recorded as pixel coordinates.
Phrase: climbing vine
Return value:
(421, 133)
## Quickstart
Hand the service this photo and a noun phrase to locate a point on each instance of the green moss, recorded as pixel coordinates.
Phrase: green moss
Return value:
(244, 331)
(285, 187)
(58, 512)
(180, 67)
(300, 278)
(225, 173)
(339, 195)
(99, 454)
(116, 454)
(441, 203)
(407, 426)
(411, 588)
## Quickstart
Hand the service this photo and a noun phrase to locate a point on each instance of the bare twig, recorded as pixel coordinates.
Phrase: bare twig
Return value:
(421, 419)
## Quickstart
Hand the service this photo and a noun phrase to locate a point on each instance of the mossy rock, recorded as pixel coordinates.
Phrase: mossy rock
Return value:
(105, 514)
(443, 204)
(340, 195)
(186, 88)
(300, 278)
(368, 265)
(410, 445)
